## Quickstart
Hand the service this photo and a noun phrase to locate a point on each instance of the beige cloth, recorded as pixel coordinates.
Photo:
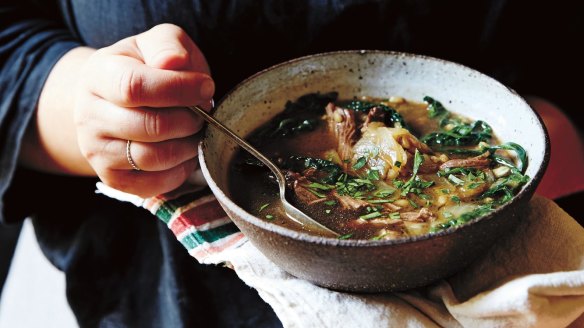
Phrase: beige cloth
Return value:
(532, 278)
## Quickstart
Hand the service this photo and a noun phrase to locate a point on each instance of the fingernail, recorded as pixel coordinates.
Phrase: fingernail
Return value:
(207, 89)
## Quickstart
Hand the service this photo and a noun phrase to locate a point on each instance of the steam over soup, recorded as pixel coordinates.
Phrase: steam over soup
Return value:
(378, 168)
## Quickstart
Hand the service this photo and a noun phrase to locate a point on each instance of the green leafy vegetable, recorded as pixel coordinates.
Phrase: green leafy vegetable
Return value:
(505, 187)
(459, 134)
(519, 151)
(392, 117)
(463, 218)
(312, 103)
(435, 108)
(298, 116)
(329, 172)
(291, 126)
(454, 132)
(511, 146)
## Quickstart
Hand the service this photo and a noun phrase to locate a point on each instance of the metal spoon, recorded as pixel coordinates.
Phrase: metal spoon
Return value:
(292, 212)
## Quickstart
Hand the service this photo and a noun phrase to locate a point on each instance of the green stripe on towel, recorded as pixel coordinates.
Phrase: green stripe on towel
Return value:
(164, 212)
(196, 238)
(167, 209)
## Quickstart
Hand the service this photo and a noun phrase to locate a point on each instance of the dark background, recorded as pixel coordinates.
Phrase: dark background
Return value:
(531, 46)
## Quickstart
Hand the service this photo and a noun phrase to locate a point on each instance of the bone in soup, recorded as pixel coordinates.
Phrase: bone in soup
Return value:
(378, 168)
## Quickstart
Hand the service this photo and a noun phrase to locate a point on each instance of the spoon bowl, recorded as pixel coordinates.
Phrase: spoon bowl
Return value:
(292, 212)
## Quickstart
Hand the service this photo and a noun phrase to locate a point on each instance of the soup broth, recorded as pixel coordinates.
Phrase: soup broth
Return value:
(377, 168)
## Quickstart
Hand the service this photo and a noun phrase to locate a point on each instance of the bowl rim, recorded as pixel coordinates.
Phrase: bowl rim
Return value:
(526, 191)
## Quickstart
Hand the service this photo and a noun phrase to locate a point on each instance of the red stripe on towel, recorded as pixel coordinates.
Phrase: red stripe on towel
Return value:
(197, 216)
(205, 250)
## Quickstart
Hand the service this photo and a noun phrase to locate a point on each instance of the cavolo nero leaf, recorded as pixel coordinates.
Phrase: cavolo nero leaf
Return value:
(435, 108)
(298, 116)
(454, 132)
(392, 117)
(459, 134)
(330, 171)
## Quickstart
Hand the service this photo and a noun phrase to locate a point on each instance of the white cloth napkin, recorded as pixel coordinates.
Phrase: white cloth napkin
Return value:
(534, 277)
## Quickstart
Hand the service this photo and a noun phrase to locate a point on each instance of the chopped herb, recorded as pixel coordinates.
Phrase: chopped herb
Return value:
(346, 236)
(320, 186)
(415, 184)
(379, 237)
(397, 164)
(414, 205)
(373, 175)
(474, 185)
(382, 193)
(269, 217)
(318, 194)
(445, 191)
(394, 216)
(371, 215)
(264, 206)
(330, 202)
(455, 199)
(380, 201)
(360, 163)
(457, 181)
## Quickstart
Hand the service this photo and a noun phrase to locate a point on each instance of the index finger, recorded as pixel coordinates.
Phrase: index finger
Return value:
(127, 82)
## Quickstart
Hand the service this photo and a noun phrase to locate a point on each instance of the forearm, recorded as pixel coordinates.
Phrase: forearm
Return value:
(50, 142)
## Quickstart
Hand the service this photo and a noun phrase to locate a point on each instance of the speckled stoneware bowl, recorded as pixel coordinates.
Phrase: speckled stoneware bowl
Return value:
(363, 265)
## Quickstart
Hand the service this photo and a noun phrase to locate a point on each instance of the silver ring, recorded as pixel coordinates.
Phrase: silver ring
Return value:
(129, 157)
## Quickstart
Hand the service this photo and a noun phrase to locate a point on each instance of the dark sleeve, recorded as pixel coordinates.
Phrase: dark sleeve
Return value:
(31, 42)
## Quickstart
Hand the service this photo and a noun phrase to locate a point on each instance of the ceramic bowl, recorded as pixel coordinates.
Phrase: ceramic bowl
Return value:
(367, 265)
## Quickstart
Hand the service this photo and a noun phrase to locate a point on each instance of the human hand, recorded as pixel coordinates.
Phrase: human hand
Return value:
(136, 89)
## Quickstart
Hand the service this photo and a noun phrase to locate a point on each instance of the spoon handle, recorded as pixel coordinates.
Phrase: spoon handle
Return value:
(244, 144)
(294, 213)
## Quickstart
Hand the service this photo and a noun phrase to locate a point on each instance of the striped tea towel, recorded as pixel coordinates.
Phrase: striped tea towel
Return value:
(534, 277)
(194, 216)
